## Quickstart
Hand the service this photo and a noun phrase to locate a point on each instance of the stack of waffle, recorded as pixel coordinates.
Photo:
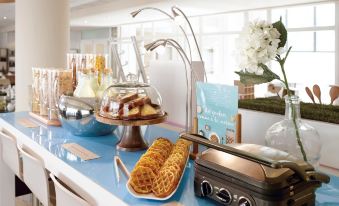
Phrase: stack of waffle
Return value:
(160, 168)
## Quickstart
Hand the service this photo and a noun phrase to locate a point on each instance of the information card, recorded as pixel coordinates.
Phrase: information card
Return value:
(217, 108)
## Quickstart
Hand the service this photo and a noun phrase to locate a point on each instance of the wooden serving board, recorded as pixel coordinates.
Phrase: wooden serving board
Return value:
(45, 120)
(138, 122)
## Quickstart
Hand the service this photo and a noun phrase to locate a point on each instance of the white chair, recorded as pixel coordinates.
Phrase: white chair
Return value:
(65, 197)
(10, 153)
(12, 158)
(36, 177)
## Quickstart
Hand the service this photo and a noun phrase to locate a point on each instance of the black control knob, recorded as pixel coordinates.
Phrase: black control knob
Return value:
(224, 196)
(206, 188)
(243, 201)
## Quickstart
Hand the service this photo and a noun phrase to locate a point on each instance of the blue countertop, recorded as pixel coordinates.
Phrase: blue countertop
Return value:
(101, 171)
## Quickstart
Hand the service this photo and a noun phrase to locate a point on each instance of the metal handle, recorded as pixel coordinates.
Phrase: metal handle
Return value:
(306, 172)
(139, 60)
(118, 62)
(224, 148)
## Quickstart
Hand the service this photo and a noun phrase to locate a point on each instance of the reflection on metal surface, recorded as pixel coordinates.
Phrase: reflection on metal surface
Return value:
(101, 171)
(78, 117)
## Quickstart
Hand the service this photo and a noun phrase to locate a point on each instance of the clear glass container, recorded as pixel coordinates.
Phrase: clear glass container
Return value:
(35, 101)
(93, 75)
(100, 66)
(131, 101)
(44, 93)
(283, 135)
(84, 87)
(106, 81)
(52, 111)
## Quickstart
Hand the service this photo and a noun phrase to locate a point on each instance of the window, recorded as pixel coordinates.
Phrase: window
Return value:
(258, 14)
(214, 23)
(325, 15)
(311, 33)
(301, 41)
(277, 14)
(312, 38)
(299, 17)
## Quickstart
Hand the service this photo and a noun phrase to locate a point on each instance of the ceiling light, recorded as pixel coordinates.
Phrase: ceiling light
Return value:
(5, 17)
(175, 14)
(135, 13)
(85, 21)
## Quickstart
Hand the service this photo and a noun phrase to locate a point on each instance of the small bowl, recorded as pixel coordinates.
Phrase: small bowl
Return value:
(78, 117)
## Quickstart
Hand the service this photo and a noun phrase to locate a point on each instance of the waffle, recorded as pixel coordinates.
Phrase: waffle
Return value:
(170, 173)
(164, 154)
(162, 143)
(160, 168)
(154, 155)
(162, 148)
(166, 181)
(183, 142)
(177, 159)
(141, 179)
(150, 163)
(181, 148)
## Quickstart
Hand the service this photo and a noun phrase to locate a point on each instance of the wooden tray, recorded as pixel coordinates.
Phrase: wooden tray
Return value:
(45, 120)
(138, 122)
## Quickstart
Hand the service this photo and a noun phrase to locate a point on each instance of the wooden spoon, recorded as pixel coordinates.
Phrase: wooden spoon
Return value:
(334, 93)
(310, 94)
(317, 92)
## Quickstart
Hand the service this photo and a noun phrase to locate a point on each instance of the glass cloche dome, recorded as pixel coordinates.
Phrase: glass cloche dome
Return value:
(131, 101)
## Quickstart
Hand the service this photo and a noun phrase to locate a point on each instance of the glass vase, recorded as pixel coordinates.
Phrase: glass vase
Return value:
(283, 135)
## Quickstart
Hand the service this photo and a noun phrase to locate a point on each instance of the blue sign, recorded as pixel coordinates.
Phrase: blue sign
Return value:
(217, 108)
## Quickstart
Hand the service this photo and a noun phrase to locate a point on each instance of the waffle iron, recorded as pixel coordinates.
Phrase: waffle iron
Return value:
(253, 175)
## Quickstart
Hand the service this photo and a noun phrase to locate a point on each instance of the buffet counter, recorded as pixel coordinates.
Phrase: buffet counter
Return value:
(96, 178)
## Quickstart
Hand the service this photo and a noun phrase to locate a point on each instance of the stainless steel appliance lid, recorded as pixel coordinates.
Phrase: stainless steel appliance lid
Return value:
(256, 172)
(265, 156)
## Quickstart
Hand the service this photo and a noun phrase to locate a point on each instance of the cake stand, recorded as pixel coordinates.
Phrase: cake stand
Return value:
(132, 139)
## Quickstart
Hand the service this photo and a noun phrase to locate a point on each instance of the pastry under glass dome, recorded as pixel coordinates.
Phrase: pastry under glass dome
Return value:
(131, 101)
(131, 105)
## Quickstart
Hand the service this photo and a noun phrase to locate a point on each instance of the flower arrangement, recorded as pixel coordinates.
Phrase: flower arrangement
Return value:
(260, 43)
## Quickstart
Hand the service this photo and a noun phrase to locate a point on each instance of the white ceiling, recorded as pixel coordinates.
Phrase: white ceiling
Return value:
(81, 4)
(117, 12)
(103, 13)
(8, 10)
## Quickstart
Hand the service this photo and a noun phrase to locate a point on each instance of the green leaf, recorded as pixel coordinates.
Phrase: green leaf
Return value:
(252, 78)
(283, 32)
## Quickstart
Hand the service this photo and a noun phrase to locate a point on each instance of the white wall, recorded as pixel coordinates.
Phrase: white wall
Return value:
(42, 40)
(7, 39)
(255, 125)
(101, 33)
(75, 40)
(80, 37)
(3, 39)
